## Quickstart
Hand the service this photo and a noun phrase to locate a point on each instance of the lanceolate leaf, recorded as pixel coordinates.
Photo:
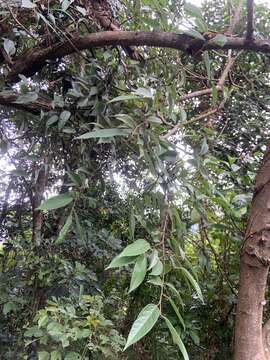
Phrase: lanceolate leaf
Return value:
(105, 133)
(64, 230)
(139, 273)
(137, 248)
(176, 339)
(193, 282)
(143, 324)
(56, 202)
(119, 261)
(124, 98)
(177, 312)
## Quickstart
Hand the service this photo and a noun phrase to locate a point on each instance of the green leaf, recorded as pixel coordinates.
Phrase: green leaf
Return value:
(63, 118)
(138, 273)
(137, 248)
(157, 269)
(124, 98)
(143, 324)
(64, 230)
(153, 259)
(207, 62)
(204, 147)
(193, 33)
(176, 339)
(144, 92)
(56, 202)
(220, 40)
(126, 119)
(27, 98)
(195, 216)
(9, 47)
(104, 133)
(181, 320)
(175, 292)
(120, 261)
(193, 11)
(155, 280)
(43, 355)
(193, 282)
(53, 119)
(56, 355)
(8, 307)
(201, 25)
(72, 355)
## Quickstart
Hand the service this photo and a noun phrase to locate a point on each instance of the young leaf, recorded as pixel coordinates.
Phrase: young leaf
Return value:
(137, 248)
(193, 282)
(104, 133)
(176, 339)
(64, 230)
(119, 261)
(56, 202)
(143, 324)
(138, 273)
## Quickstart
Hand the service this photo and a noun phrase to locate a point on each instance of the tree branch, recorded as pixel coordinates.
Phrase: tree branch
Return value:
(9, 99)
(34, 59)
(250, 22)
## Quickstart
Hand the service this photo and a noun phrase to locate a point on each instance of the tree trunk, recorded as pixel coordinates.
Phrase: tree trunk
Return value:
(266, 339)
(254, 265)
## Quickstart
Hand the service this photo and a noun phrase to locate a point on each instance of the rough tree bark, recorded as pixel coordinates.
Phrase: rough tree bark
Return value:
(254, 266)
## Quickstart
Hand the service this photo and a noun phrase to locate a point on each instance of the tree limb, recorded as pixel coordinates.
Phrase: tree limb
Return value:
(34, 59)
(9, 99)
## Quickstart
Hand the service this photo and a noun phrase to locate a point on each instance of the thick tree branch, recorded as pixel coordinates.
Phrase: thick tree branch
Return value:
(34, 59)
(9, 99)
(250, 21)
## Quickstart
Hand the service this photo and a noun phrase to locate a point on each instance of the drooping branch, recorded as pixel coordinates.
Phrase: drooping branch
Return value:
(34, 59)
(250, 21)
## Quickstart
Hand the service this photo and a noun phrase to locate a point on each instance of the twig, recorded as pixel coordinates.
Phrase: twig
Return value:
(20, 24)
(194, 119)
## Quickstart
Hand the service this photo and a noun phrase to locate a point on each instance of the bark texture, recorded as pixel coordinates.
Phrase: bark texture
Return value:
(254, 266)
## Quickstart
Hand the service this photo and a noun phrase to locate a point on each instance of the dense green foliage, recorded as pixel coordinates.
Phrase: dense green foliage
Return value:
(135, 225)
